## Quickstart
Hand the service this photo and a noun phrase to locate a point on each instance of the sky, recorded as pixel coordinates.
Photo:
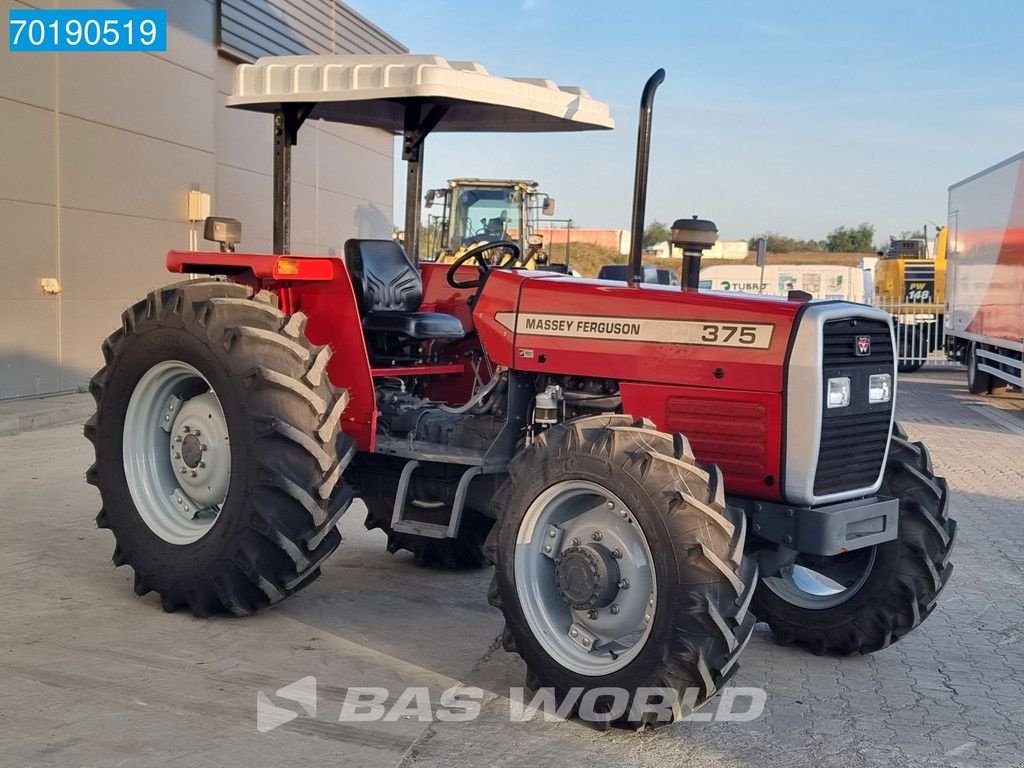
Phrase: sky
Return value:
(786, 116)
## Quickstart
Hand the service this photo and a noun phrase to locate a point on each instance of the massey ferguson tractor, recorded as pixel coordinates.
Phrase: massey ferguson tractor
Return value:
(647, 467)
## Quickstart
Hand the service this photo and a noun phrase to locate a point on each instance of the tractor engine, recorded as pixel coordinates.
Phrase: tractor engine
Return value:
(472, 426)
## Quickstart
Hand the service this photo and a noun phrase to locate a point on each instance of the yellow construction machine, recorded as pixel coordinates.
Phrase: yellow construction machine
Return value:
(479, 211)
(911, 285)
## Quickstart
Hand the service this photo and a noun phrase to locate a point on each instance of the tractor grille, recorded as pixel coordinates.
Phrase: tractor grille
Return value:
(732, 435)
(854, 438)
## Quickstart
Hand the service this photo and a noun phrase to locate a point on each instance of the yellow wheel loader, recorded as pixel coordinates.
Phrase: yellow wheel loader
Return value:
(479, 211)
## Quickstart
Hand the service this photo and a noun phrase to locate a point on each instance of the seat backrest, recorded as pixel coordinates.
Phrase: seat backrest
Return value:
(384, 277)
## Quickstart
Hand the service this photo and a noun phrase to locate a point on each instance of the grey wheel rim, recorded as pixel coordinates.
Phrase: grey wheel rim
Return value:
(567, 518)
(825, 584)
(176, 452)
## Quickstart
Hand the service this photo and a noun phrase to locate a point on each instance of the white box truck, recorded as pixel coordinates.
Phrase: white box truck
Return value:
(985, 276)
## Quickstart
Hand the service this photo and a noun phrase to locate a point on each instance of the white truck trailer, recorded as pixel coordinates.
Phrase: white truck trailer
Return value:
(985, 276)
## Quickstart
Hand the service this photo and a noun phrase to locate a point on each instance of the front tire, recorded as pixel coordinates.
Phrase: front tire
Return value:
(618, 565)
(218, 449)
(863, 601)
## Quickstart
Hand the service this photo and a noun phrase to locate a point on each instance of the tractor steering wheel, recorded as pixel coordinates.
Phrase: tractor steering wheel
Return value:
(476, 254)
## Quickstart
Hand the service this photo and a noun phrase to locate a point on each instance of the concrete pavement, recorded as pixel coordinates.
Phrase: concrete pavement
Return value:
(92, 676)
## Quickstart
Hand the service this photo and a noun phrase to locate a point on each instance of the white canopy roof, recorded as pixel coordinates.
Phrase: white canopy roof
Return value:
(374, 90)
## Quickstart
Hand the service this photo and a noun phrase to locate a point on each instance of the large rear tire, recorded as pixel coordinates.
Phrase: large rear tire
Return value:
(218, 449)
(864, 600)
(618, 565)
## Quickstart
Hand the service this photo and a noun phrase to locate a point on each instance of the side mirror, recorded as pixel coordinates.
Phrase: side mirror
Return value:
(428, 199)
(548, 209)
(220, 229)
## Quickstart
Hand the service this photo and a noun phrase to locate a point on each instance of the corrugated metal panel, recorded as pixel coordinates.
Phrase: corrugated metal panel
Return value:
(354, 34)
(249, 29)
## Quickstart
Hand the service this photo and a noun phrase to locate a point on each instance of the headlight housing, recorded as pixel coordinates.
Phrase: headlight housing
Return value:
(839, 392)
(880, 388)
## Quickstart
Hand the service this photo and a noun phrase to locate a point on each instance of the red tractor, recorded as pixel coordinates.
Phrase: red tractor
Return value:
(647, 467)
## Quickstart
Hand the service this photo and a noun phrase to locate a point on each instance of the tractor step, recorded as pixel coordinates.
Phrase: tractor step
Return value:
(424, 451)
(399, 521)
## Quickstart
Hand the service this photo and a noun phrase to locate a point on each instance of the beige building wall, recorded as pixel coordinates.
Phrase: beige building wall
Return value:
(97, 154)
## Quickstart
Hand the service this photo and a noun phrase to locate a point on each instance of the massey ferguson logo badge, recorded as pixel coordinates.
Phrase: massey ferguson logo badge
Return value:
(862, 346)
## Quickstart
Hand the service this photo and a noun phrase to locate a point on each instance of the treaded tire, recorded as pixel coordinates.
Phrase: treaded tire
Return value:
(705, 584)
(907, 576)
(277, 524)
(978, 382)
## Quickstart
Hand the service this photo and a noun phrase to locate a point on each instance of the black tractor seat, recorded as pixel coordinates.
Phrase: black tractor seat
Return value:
(389, 291)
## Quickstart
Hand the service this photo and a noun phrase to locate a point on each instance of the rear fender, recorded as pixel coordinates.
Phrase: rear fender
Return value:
(321, 288)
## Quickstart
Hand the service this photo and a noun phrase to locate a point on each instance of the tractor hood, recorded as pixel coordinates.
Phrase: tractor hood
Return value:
(557, 324)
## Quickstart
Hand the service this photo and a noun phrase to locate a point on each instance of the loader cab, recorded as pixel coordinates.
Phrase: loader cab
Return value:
(486, 215)
(916, 248)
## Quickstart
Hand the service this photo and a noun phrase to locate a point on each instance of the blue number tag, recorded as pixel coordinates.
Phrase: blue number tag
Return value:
(87, 30)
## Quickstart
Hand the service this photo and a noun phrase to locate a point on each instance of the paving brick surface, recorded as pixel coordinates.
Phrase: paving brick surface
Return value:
(950, 693)
(92, 676)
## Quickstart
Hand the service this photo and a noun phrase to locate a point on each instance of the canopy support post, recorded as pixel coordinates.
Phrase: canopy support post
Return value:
(287, 121)
(416, 130)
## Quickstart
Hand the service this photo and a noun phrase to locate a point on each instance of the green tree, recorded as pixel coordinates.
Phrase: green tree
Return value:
(851, 239)
(656, 232)
(783, 244)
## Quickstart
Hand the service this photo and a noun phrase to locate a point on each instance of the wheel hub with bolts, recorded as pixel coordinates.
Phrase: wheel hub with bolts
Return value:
(177, 456)
(585, 577)
(199, 451)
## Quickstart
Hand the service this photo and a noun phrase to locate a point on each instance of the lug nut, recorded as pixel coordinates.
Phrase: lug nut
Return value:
(592, 614)
(617, 554)
(547, 547)
(202, 465)
(203, 447)
(178, 499)
(624, 584)
(650, 601)
(177, 438)
(613, 609)
(647, 618)
(574, 632)
(586, 641)
(198, 433)
(552, 533)
(166, 417)
(597, 536)
(186, 429)
(576, 541)
(193, 473)
(611, 504)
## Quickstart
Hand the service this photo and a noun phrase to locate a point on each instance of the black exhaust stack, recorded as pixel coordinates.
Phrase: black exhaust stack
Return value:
(643, 157)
